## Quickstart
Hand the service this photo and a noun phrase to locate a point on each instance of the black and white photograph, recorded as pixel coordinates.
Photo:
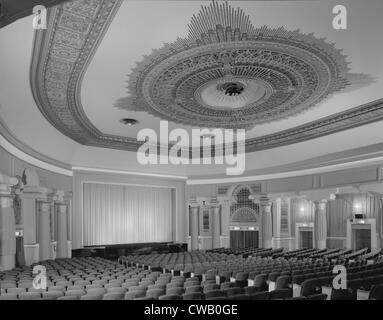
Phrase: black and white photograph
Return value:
(182, 157)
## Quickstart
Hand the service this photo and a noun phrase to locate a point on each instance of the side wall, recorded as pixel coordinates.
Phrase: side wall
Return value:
(12, 166)
(360, 188)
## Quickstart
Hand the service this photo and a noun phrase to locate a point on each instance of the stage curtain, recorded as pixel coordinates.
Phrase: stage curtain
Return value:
(115, 214)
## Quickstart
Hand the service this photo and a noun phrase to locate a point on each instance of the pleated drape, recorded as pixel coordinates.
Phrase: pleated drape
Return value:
(115, 214)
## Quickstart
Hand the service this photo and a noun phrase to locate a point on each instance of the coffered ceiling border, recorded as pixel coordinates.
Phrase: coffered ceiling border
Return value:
(62, 53)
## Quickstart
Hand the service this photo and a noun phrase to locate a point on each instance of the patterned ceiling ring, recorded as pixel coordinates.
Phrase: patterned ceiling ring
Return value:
(231, 93)
(294, 71)
(62, 53)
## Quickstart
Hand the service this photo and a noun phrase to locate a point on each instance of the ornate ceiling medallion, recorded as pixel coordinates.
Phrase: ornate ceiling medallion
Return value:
(229, 74)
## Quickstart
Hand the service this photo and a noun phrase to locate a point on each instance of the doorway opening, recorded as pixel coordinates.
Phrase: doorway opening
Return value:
(304, 236)
(361, 238)
(306, 239)
(244, 239)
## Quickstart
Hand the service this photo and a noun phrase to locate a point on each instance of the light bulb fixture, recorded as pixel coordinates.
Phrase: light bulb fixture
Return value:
(129, 121)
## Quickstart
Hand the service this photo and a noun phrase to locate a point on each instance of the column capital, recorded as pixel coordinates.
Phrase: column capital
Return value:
(260, 198)
(6, 184)
(214, 203)
(194, 203)
(62, 207)
(35, 192)
(321, 204)
(58, 195)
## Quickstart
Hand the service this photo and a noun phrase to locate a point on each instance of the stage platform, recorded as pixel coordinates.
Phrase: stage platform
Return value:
(112, 252)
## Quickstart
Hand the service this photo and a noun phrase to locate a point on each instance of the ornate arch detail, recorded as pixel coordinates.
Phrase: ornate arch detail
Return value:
(234, 190)
(245, 215)
(244, 209)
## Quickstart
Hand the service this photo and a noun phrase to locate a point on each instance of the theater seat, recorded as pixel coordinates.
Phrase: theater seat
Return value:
(251, 289)
(52, 295)
(319, 296)
(376, 292)
(193, 296)
(16, 290)
(217, 298)
(69, 298)
(213, 294)
(232, 291)
(8, 296)
(260, 282)
(170, 297)
(210, 287)
(56, 288)
(283, 282)
(117, 290)
(226, 285)
(77, 293)
(239, 297)
(343, 294)
(175, 291)
(113, 296)
(310, 287)
(96, 291)
(263, 295)
(281, 294)
(91, 297)
(155, 293)
(193, 289)
(29, 296)
(134, 294)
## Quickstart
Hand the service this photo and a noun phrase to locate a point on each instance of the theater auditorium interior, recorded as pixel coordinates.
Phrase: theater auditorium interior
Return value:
(107, 193)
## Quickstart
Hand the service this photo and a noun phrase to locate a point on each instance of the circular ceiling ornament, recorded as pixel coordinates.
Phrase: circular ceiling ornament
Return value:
(228, 74)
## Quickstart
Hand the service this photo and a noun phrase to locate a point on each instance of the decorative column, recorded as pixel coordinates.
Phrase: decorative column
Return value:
(267, 228)
(320, 224)
(7, 223)
(31, 197)
(62, 229)
(226, 203)
(216, 224)
(194, 232)
(67, 197)
(44, 229)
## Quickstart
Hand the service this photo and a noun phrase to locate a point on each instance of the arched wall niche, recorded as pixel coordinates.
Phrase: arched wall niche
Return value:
(244, 223)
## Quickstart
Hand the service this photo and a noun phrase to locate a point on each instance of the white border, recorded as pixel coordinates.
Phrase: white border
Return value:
(89, 169)
(288, 174)
(31, 160)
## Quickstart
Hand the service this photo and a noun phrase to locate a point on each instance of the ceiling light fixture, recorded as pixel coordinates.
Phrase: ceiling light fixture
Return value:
(129, 121)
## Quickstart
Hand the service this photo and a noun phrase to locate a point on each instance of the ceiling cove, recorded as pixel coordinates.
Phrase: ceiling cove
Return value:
(226, 74)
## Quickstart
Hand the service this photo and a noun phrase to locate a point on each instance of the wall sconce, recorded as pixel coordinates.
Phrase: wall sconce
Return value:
(302, 209)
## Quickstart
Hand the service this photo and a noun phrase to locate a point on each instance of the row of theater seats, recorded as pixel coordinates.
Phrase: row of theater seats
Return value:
(196, 258)
(307, 274)
(96, 279)
(235, 277)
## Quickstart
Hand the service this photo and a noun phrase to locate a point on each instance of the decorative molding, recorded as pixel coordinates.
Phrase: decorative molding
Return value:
(145, 174)
(62, 53)
(229, 74)
(287, 174)
(13, 145)
(355, 117)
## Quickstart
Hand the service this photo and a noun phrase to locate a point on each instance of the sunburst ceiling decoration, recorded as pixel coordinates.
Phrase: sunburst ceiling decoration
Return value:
(229, 74)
